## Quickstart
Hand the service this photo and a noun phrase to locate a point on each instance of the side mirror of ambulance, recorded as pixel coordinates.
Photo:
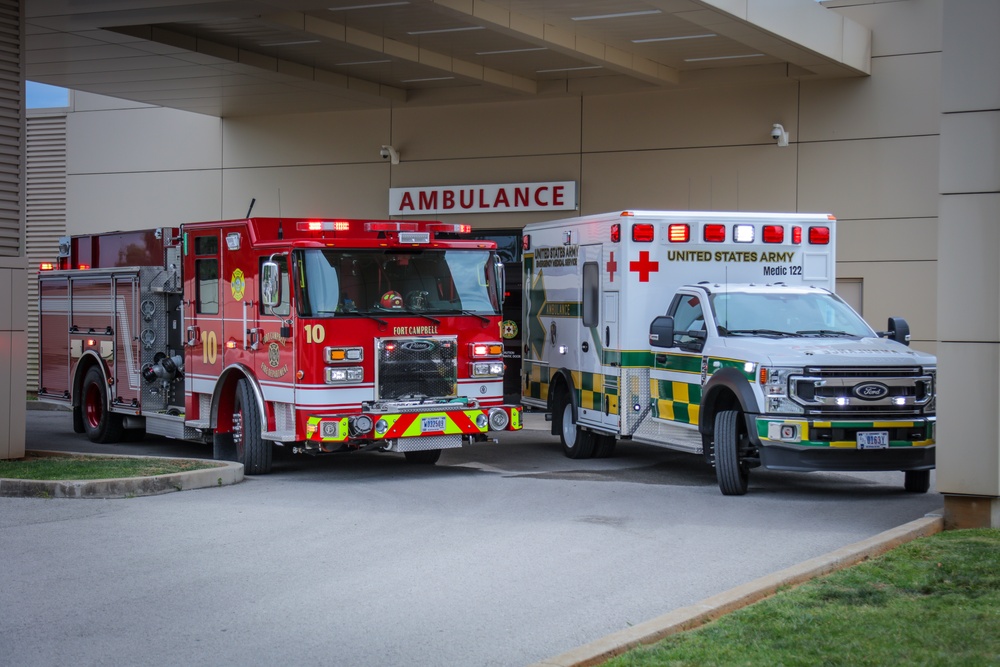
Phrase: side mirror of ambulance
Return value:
(899, 331)
(270, 284)
(661, 332)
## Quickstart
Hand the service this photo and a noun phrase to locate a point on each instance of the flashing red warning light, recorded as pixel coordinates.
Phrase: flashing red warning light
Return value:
(323, 226)
(449, 227)
(819, 235)
(526, 242)
(679, 232)
(796, 235)
(46, 266)
(616, 233)
(83, 266)
(773, 234)
(392, 227)
(642, 232)
(714, 233)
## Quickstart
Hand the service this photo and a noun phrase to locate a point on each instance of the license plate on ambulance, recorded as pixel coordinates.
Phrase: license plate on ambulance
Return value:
(432, 424)
(873, 440)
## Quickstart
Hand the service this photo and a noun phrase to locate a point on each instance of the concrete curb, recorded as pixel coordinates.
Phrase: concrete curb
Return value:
(224, 474)
(688, 618)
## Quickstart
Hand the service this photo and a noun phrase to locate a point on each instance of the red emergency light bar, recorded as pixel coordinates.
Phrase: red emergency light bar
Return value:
(773, 234)
(448, 227)
(323, 226)
(714, 233)
(796, 235)
(46, 266)
(643, 232)
(819, 235)
(679, 233)
(616, 233)
(392, 227)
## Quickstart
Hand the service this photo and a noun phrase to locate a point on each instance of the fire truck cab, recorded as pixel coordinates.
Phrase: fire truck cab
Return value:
(318, 335)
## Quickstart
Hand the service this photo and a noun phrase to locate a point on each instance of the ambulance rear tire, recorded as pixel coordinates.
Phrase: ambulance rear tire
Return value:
(245, 443)
(917, 481)
(731, 441)
(427, 457)
(100, 424)
(604, 446)
(577, 443)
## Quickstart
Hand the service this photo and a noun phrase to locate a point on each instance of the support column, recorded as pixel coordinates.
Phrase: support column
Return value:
(968, 434)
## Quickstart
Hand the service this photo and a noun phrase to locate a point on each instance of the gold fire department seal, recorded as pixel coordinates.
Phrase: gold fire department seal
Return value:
(238, 284)
(273, 355)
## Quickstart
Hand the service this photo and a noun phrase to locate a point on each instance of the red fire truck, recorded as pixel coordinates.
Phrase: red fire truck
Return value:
(317, 335)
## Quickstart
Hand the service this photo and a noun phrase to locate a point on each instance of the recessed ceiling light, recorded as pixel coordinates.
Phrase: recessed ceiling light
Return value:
(375, 5)
(672, 39)
(364, 62)
(619, 15)
(566, 69)
(433, 32)
(430, 78)
(496, 53)
(749, 55)
(292, 43)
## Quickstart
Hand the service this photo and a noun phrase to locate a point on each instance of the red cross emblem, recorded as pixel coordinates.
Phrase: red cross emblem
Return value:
(612, 267)
(644, 267)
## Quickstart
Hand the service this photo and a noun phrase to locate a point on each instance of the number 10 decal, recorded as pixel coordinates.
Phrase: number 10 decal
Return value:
(315, 333)
(209, 347)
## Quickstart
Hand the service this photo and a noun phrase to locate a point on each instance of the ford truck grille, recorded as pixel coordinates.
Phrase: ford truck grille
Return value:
(861, 392)
(417, 368)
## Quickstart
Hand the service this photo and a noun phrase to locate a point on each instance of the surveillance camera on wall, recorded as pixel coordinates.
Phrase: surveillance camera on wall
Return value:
(389, 153)
(778, 134)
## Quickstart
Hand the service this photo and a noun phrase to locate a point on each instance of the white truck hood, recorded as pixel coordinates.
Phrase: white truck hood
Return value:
(826, 352)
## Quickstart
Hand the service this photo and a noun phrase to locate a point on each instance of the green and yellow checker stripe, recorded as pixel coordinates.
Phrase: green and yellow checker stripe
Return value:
(590, 389)
(675, 401)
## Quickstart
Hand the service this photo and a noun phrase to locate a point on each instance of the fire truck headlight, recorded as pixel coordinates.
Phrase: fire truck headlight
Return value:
(381, 426)
(487, 369)
(344, 375)
(481, 421)
(339, 354)
(499, 419)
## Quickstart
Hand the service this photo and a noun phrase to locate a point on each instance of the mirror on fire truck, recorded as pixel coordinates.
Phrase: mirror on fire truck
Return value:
(270, 281)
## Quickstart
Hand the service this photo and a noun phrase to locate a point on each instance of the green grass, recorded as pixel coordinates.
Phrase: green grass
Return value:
(95, 467)
(933, 601)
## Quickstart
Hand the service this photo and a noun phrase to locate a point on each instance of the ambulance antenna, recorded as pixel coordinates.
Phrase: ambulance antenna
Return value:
(252, 202)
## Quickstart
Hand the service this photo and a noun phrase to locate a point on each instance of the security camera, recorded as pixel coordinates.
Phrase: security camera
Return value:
(389, 153)
(778, 134)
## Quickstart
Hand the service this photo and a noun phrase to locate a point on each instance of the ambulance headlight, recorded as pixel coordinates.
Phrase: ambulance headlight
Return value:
(774, 384)
(345, 375)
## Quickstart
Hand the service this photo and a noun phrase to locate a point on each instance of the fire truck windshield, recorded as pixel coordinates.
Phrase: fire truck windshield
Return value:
(333, 282)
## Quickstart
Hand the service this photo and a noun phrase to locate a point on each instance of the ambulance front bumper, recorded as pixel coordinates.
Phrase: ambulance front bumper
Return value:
(847, 445)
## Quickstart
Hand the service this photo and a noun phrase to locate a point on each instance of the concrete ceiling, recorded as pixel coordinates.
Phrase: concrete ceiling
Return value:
(237, 58)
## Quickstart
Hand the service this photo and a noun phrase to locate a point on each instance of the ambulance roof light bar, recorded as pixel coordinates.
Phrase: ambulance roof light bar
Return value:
(819, 235)
(743, 233)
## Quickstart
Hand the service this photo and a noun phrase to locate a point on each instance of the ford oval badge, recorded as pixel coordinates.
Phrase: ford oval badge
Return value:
(871, 391)
(418, 345)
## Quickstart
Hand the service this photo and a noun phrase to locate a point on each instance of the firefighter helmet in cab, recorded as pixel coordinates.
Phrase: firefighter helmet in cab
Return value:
(392, 300)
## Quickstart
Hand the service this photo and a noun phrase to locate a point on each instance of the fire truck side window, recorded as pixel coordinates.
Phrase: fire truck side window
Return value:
(207, 275)
(284, 308)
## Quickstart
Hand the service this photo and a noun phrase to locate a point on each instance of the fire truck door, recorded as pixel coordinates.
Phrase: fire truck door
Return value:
(273, 358)
(598, 342)
(203, 356)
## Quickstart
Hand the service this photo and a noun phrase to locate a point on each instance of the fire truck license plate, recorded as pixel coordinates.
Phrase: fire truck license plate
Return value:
(873, 440)
(433, 424)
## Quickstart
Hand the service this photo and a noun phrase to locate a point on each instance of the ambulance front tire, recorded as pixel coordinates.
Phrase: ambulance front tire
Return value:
(917, 481)
(577, 443)
(100, 424)
(245, 443)
(731, 442)
(427, 457)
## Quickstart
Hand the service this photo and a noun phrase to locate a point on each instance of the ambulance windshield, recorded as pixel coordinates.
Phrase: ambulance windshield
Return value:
(786, 313)
(332, 282)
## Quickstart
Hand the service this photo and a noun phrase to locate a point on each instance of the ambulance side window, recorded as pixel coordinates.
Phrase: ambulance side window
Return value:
(591, 294)
(284, 308)
(688, 317)
(206, 275)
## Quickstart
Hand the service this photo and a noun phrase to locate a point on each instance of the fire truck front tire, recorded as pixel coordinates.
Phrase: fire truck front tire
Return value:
(244, 444)
(577, 443)
(100, 424)
(731, 443)
(424, 457)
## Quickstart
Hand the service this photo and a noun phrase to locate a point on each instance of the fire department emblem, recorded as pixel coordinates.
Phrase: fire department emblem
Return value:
(273, 355)
(508, 329)
(238, 284)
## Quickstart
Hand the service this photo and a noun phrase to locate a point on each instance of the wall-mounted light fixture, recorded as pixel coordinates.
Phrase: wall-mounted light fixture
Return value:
(778, 134)
(389, 153)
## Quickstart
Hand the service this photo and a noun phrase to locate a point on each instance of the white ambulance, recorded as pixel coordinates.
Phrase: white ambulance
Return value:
(718, 334)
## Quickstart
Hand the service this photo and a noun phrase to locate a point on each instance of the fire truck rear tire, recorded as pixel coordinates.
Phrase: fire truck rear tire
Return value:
(577, 443)
(731, 441)
(917, 481)
(424, 457)
(244, 444)
(100, 424)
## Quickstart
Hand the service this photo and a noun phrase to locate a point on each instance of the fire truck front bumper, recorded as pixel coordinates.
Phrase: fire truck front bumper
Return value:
(412, 430)
(809, 445)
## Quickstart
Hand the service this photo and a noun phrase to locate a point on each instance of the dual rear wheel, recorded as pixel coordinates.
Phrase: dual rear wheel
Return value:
(577, 442)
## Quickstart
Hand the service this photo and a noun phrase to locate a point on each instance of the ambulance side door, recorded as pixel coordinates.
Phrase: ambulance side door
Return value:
(678, 369)
(598, 342)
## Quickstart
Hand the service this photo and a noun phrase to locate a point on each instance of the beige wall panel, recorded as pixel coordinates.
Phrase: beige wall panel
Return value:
(887, 240)
(970, 32)
(968, 246)
(968, 394)
(970, 152)
(907, 26)
(484, 171)
(302, 139)
(487, 130)
(90, 102)
(750, 178)
(152, 139)
(109, 202)
(885, 104)
(875, 178)
(897, 289)
(343, 191)
(713, 117)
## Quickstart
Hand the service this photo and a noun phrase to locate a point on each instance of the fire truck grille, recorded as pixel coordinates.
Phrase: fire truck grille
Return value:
(417, 367)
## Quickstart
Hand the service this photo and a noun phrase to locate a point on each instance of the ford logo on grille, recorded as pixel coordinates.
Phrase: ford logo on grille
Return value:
(871, 391)
(418, 345)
